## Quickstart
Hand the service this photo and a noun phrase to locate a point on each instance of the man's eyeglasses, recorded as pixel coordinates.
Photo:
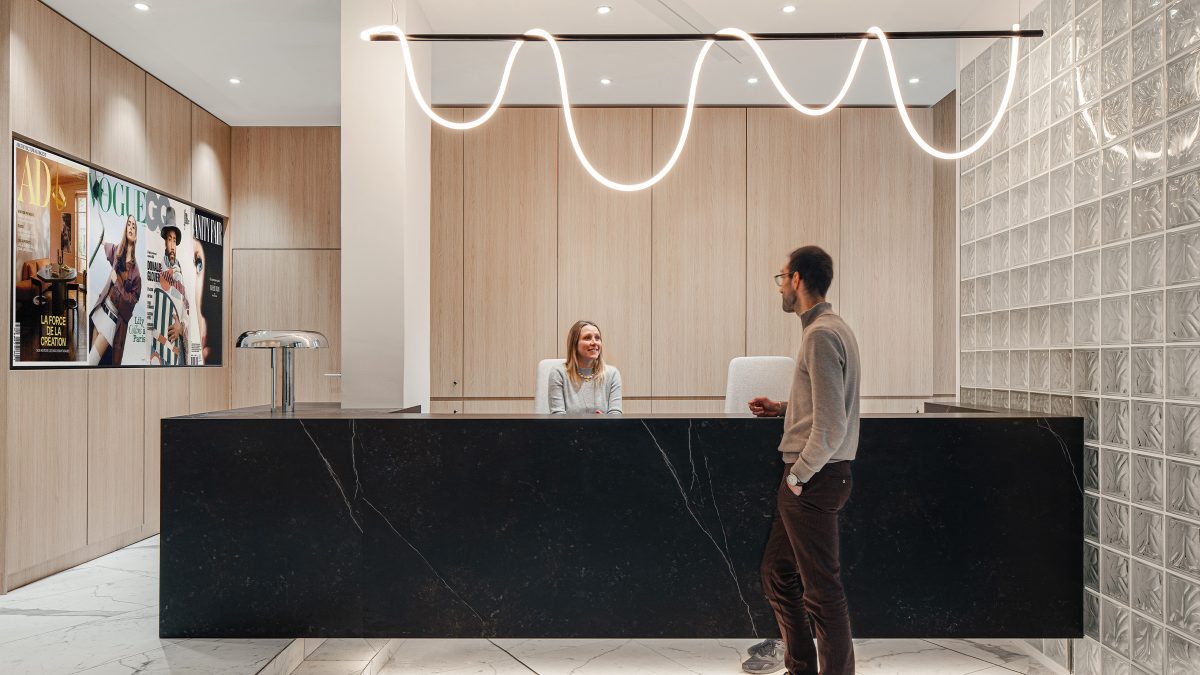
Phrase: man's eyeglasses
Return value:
(781, 279)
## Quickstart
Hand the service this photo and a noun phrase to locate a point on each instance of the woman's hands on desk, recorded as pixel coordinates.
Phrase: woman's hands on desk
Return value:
(762, 406)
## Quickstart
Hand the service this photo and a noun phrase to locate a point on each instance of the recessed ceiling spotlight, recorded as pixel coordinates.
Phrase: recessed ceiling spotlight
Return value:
(788, 9)
(752, 80)
(605, 81)
(141, 6)
(234, 80)
(603, 9)
(914, 80)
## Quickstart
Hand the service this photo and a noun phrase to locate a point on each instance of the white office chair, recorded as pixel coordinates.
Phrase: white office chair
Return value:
(541, 395)
(751, 376)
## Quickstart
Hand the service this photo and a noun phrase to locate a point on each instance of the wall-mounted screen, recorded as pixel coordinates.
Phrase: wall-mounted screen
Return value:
(109, 273)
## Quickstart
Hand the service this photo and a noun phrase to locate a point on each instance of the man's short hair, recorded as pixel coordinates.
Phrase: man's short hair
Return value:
(815, 268)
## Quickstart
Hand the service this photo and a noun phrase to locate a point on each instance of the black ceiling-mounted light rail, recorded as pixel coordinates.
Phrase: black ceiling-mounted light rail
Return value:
(697, 37)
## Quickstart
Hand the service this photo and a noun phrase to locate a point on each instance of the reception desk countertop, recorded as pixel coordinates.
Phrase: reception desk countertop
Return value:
(339, 523)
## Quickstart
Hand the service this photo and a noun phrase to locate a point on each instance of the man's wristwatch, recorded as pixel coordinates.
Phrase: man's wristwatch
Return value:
(793, 481)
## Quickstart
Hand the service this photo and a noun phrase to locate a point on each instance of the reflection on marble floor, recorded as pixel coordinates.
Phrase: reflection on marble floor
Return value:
(101, 619)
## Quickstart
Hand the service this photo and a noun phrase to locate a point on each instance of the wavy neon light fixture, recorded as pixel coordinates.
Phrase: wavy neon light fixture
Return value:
(393, 33)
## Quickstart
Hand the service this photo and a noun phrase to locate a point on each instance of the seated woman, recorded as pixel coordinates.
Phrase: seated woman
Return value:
(583, 384)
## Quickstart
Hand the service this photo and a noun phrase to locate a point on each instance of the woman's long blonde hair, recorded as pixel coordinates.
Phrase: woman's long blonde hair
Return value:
(573, 336)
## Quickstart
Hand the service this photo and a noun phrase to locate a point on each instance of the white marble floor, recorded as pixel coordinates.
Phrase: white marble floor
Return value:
(101, 618)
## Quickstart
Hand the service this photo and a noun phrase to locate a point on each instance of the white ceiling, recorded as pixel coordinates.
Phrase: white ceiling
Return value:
(286, 51)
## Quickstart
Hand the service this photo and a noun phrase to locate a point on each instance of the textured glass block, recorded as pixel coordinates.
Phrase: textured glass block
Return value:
(1087, 371)
(1039, 402)
(1116, 162)
(1039, 373)
(1114, 369)
(1147, 426)
(1091, 621)
(1115, 113)
(1061, 13)
(1183, 314)
(1018, 371)
(983, 106)
(1091, 481)
(1147, 95)
(1183, 372)
(1114, 473)
(984, 224)
(1018, 164)
(1000, 173)
(1019, 203)
(1183, 430)
(1112, 664)
(1182, 148)
(1148, 645)
(1115, 320)
(1039, 68)
(1087, 34)
(1062, 405)
(967, 295)
(1039, 283)
(1114, 627)
(1001, 51)
(1114, 217)
(966, 80)
(1039, 196)
(1183, 489)
(1148, 157)
(1146, 320)
(1114, 422)
(1062, 98)
(1019, 287)
(1146, 371)
(1183, 547)
(1114, 269)
(1087, 328)
(1114, 575)
(1089, 410)
(1147, 263)
(1087, 274)
(999, 369)
(1060, 233)
(1146, 482)
(1018, 400)
(1087, 83)
(1060, 189)
(1183, 82)
(1060, 372)
(1087, 177)
(1183, 256)
(1146, 213)
(1060, 279)
(1087, 223)
(1144, 8)
(1000, 332)
(1147, 535)
(1061, 143)
(1146, 590)
(1087, 129)
(1039, 111)
(1183, 199)
(999, 256)
(1018, 245)
(1115, 64)
(1000, 213)
(983, 298)
(1039, 239)
(1060, 326)
(1114, 525)
(1061, 50)
(1147, 47)
(966, 193)
(1019, 329)
(1183, 26)
(999, 399)
(1183, 656)
(1183, 608)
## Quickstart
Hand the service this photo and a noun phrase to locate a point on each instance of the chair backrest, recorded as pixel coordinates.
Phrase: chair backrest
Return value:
(751, 376)
(541, 393)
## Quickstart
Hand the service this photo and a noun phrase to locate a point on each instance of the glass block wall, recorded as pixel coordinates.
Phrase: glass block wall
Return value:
(1079, 263)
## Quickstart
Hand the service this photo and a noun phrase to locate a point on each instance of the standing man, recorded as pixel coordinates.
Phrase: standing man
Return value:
(801, 570)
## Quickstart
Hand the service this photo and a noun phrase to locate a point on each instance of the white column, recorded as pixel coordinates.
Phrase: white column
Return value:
(385, 215)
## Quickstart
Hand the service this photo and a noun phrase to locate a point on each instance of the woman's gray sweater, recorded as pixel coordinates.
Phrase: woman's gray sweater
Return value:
(599, 395)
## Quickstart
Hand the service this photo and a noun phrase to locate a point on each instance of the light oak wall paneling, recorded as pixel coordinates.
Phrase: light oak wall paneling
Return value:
(683, 406)
(288, 288)
(445, 407)
(793, 199)
(604, 242)
(168, 394)
(6, 181)
(641, 406)
(47, 466)
(446, 258)
(945, 255)
(50, 78)
(286, 186)
(210, 161)
(116, 451)
(509, 406)
(168, 139)
(893, 405)
(209, 388)
(887, 249)
(91, 551)
(699, 252)
(118, 113)
(509, 225)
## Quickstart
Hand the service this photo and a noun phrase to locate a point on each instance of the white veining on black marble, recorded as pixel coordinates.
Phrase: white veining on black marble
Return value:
(353, 459)
(687, 504)
(333, 474)
(1062, 444)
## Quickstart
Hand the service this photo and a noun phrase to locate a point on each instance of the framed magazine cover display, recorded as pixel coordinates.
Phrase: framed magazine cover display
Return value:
(107, 272)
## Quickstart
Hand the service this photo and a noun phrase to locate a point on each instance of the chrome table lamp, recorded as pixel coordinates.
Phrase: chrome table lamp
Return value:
(287, 340)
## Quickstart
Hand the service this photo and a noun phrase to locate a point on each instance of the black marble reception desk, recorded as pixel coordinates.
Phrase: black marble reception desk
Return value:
(339, 523)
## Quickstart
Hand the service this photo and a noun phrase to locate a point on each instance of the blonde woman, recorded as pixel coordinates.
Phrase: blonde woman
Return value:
(583, 383)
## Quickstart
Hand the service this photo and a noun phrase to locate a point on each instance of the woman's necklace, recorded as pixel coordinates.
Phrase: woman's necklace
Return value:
(586, 378)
